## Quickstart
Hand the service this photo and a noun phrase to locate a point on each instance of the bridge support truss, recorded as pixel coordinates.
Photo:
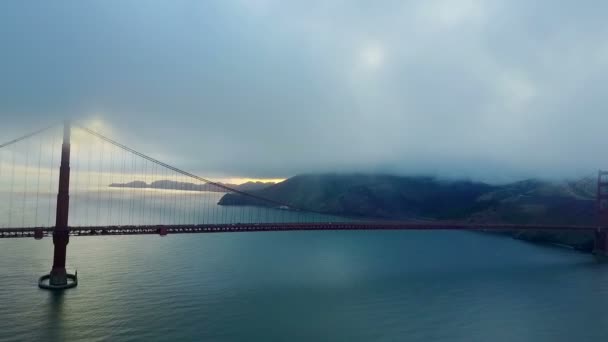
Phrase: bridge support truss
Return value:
(59, 279)
(600, 247)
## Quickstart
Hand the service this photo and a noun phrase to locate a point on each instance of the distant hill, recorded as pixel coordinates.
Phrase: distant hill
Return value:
(396, 197)
(534, 201)
(374, 196)
(173, 185)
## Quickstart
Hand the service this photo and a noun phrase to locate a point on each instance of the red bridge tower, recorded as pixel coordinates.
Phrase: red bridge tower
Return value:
(59, 279)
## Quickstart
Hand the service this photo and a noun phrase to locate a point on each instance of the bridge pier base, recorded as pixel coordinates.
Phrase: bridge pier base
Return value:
(600, 245)
(45, 282)
(58, 275)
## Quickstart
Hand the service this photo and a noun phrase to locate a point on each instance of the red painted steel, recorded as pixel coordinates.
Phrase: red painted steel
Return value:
(278, 227)
(61, 233)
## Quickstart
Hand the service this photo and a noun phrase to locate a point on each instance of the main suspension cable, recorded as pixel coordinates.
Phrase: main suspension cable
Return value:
(26, 136)
(190, 175)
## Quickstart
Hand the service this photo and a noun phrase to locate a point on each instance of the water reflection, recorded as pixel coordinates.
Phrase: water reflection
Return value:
(55, 315)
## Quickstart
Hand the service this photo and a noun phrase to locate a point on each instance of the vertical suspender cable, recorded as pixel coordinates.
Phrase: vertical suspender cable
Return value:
(146, 200)
(138, 192)
(151, 195)
(161, 195)
(131, 190)
(205, 203)
(191, 207)
(88, 187)
(122, 188)
(141, 192)
(173, 221)
(99, 180)
(166, 208)
(110, 189)
(181, 201)
(12, 185)
(201, 208)
(49, 222)
(74, 188)
(25, 185)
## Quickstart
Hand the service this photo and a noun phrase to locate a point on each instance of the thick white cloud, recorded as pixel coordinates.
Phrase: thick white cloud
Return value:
(484, 89)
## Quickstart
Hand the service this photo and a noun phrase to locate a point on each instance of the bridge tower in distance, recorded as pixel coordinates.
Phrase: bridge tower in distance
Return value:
(600, 247)
(59, 279)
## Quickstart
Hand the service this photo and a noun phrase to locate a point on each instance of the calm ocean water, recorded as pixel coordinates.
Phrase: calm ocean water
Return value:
(305, 286)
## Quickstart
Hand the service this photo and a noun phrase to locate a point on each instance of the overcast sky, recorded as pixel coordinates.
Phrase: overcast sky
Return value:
(491, 90)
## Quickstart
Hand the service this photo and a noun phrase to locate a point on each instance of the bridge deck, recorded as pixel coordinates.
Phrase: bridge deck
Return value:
(271, 227)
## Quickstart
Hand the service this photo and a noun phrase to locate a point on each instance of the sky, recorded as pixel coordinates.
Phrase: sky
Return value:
(493, 90)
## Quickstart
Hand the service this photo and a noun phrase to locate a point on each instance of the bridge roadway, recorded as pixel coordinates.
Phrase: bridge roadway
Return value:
(279, 227)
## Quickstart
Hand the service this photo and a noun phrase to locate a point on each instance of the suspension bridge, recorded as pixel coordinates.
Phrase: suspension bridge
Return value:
(103, 187)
